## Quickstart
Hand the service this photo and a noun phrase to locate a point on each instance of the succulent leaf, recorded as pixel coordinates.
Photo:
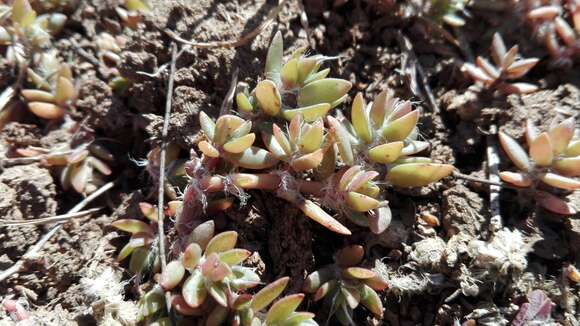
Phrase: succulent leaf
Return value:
(309, 113)
(418, 174)
(541, 150)
(326, 90)
(283, 308)
(268, 97)
(194, 291)
(515, 152)
(269, 293)
(386, 153)
(222, 242)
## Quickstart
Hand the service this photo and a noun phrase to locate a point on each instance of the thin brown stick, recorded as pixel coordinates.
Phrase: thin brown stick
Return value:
(459, 175)
(33, 251)
(161, 189)
(231, 43)
(49, 220)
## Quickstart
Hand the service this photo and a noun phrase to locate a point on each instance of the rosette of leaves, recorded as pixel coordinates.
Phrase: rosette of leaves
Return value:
(249, 310)
(557, 26)
(385, 132)
(353, 192)
(297, 86)
(552, 159)
(506, 66)
(344, 286)
(54, 89)
(83, 169)
(208, 276)
(26, 32)
(229, 137)
(300, 147)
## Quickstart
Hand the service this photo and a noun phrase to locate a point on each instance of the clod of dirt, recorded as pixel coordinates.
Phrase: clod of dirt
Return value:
(20, 134)
(96, 101)
(464, 211)
(34, 191)
(506, 252)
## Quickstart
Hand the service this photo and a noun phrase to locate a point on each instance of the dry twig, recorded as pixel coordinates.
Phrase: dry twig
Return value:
(49, 220)
(33, 251)
(161, 189)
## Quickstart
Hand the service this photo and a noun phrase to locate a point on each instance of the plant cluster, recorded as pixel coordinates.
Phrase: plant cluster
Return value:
(207, 281)
(83, 168)
(319, 157)
(556, 24)
(553, 160)
(507, 66)
(28, 41)
(344, 286)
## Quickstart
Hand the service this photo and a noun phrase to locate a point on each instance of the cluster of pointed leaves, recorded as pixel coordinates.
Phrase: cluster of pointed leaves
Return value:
(507, 66)
(26, 37)
(143, 258)
(557, 26)
(298, 82)
(209, 282)
(230, 138)
(553, 158)
(344, 286)
(83, 169)
(27, 29)
(300, 147)
(385, 132)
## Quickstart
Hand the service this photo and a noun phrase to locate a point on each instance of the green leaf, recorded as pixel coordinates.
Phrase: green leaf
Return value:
(360, 119)
(172, 275)
(139, 260)
(269, 293)
(283, 308)
(222, 242)
(515, 152)
(386, 153)
(132, 226)
(342, 141)
(371, 300)
(234, 256)
(207, 125)
(350, 256)
(151, 302)
(22, 13)
(268, 97)
(218, 294)
(418, 174)
(317, 278)
(309, 113)
(253, 158)
(358, 273)
(326, 90)
(202, 234)
(193, 290)
(274, 57)
(401, 128)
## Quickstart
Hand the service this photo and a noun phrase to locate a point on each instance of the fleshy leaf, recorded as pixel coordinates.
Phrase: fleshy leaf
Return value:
(350, 256)
(269, 293)
(309, 113)
(22, 13)
(239, 145)
(326, 90)
(317, 278)
(342, 139)
(254, 158)
(370, 299)
(568, 166)
(360, 202)
(234, 256)
(268, 97)
(274, 57)
(191, 256)
(386, 153)
(193, 290)
(360, 119)
(316, 213)
(207, 125)
(401, 128)
(307, 161)
(561, 134)
(515, 152)
(358, 273)
(554, 204)
(418, 174)
(312, 138)
(202, 234)
(172, 275)
(132, 226)
(541, 150)
(282, 308)
(222, 242)
(558, 181)
(517, 179)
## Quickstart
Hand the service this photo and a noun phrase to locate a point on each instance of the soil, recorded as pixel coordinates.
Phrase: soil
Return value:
(431, 270)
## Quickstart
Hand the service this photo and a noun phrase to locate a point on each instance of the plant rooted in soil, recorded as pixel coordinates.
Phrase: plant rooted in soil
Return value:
(508, 66)
(553, 159)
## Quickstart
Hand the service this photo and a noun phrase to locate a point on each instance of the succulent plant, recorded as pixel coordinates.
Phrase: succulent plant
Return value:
(553, 159)
(344, 286)
(334, 163)
(557, 26)
(294, 87)
(27, 33)
(83, 168)
(507, 67)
